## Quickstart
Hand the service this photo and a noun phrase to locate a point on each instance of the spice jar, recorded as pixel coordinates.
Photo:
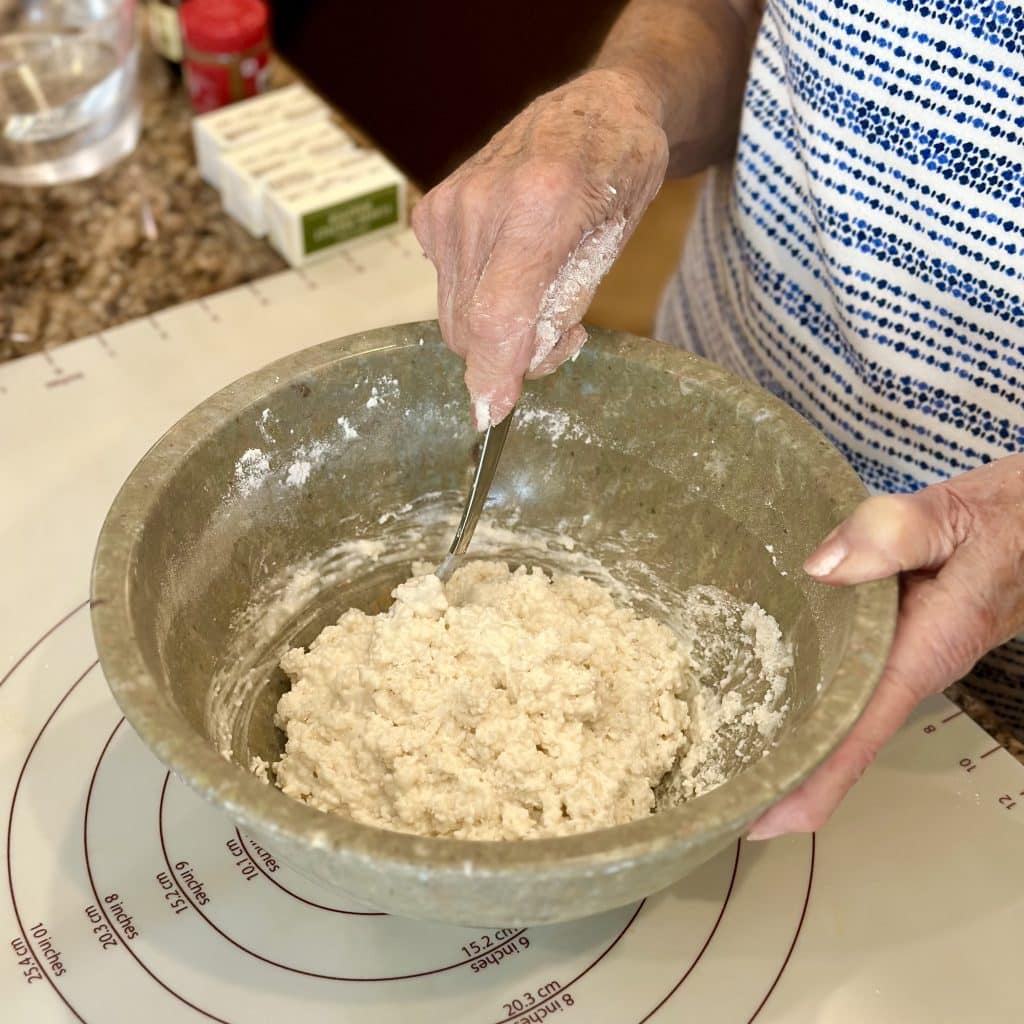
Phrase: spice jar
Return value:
(226, 51)
(165, 31)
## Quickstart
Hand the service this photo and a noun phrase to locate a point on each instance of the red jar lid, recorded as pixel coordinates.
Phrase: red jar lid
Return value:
(223, 26)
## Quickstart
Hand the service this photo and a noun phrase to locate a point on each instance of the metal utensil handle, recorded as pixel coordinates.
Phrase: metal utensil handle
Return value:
(490, 453)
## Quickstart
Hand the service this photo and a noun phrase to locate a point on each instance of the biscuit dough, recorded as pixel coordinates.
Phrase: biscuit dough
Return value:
(503, 705)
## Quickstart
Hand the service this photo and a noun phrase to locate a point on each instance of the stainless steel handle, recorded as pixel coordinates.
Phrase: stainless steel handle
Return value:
(490, 453)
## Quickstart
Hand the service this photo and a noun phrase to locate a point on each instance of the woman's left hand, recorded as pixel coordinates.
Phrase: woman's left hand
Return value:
(959, 549)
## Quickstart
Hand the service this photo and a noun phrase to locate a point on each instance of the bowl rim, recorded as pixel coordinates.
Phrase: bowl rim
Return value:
(722, 812)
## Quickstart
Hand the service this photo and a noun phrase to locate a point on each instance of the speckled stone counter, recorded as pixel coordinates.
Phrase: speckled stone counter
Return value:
(145, 234)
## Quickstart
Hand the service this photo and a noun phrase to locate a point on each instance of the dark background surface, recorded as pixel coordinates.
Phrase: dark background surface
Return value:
(431, 82)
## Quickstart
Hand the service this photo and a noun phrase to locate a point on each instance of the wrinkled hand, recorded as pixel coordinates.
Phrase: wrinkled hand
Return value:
(522, 233)
(959, 546)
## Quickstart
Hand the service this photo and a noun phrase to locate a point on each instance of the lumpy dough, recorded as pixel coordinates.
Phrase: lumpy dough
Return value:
(503, 705)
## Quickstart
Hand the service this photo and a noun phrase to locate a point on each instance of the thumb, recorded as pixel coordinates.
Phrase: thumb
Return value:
(491, 402)
(808, 807)
(890, 534)
(495, 328)
(936, 642)
(494, 376)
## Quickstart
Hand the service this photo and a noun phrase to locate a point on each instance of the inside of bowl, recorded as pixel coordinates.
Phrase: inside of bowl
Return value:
(320, 493)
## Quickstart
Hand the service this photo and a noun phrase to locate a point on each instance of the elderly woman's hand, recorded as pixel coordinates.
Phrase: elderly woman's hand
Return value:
(959, 547)
(522, 233)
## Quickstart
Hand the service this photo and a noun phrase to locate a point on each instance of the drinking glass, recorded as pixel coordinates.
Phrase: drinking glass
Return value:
(68, 99)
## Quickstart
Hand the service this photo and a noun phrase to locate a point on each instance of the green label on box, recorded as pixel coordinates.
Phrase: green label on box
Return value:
(354, 217)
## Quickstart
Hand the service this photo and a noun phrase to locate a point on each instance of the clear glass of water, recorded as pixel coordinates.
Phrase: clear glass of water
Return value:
(68, 99)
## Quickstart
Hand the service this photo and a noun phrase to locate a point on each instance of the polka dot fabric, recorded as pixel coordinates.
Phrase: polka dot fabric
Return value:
(863, 258)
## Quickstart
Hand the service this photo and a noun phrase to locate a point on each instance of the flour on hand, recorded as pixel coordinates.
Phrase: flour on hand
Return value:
(575, 283)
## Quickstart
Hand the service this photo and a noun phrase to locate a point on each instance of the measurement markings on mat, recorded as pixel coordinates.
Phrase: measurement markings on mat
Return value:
(971, 764)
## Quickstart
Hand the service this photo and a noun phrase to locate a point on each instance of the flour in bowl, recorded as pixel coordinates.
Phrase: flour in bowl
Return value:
(515, 705)
(503, 705)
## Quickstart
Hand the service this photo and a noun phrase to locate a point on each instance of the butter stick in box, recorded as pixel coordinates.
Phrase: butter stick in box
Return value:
(296, 176)
(366, 196)
(240, 124)
(246, 172)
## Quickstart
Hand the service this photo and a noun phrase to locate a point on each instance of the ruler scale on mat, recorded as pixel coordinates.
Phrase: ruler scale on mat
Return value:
(126, 897)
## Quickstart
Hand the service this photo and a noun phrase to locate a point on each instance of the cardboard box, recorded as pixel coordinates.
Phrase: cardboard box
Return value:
(246, 172)
(250, 121)
(366, 196)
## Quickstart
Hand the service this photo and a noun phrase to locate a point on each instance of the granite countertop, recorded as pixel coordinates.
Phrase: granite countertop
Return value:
(995, 726)
(145, 234)
(149, 233)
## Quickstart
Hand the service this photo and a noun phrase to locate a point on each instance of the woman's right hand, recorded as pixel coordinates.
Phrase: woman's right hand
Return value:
(522, 233)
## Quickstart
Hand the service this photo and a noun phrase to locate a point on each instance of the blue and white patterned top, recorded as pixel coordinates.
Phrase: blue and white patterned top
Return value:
(864, 257)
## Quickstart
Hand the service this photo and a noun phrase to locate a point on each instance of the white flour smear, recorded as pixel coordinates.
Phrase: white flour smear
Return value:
(251, 469)
(382, 390)
(482, 413)
(291, 465)
(307, 458)
(564, 301)
(348, 432)
(558, 424)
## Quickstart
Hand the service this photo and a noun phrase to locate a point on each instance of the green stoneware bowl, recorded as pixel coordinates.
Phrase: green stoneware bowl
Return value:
(311, 485)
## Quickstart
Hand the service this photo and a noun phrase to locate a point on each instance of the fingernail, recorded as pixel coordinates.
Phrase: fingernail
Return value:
(758, 833)
(825, 560)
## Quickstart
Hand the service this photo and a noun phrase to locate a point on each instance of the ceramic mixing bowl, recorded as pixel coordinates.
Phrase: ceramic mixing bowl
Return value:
(310, 486)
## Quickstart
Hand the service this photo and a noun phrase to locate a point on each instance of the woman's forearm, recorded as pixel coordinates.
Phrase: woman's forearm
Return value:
(692, 55)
